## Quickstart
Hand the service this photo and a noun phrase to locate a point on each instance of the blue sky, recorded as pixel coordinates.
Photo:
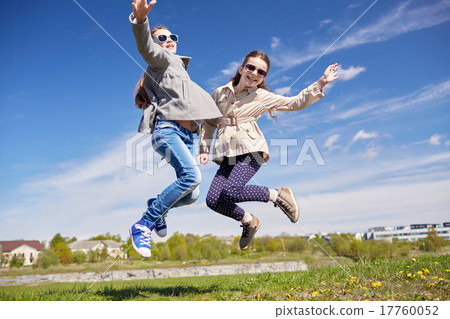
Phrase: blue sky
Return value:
(66, 112)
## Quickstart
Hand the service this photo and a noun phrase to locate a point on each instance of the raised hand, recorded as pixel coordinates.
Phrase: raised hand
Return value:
(141, 9)
(328, 76)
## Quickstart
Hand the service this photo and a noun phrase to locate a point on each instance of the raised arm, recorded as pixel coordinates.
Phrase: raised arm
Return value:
(328, 76)
(141, 9)
(305, 98)
(152, 53)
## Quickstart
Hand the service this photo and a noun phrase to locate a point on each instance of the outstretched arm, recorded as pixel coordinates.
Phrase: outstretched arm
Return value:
(152, 53)
(328, 76)
(141, 9)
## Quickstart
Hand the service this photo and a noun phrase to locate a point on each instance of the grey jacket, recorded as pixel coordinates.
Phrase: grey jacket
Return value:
(173, 95)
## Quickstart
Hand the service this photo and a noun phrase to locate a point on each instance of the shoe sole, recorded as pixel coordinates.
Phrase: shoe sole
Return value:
(257, 228)
(137, 249)
(291, 193)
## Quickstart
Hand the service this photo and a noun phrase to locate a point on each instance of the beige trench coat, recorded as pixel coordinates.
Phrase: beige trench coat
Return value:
(238, 132)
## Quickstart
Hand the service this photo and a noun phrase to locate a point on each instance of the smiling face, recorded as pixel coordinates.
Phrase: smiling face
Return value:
(169, 44)
(250, 79)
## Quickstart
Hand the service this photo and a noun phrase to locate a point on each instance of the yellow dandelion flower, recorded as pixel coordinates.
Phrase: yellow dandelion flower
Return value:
(365, 288)
(376, 284)
(441, 279)
(366, 300)
(401, 272)
(354, 278)
(434, 277)
(408, 267)
(423, 277)
(258, 296)
(430, 285)
(409, 275)
(436, 263)
(420, 272)
(426, 271)
(413, 259)
(315, 293)
(447, 270)
(288, 295)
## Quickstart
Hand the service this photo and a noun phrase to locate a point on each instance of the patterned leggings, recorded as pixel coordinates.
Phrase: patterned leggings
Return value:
(229, 186)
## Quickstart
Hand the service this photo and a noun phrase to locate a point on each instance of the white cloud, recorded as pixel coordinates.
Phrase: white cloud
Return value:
(447, 143)
(330, 142)
(275, 42)
(231, 69)
(422, 96)
(407, 17)
(350, 73)
(363, 135)
(371, 152)
(324, 22)
(435, 139)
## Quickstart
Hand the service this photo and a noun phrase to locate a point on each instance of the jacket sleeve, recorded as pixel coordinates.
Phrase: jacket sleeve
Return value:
(306, 97)
(152, 53)
(207, 131)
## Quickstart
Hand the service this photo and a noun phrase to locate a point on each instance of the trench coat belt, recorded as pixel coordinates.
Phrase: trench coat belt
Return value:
(233, 121)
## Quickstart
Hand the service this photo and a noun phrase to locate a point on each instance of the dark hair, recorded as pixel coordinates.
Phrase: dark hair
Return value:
(140, 96)
(254, 54)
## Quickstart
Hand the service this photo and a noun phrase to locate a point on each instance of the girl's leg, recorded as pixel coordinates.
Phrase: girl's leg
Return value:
(236, 190)
(175, 144)
(229, 187)
(216, 199)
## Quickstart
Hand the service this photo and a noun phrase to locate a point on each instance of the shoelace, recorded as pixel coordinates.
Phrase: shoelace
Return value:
(160, 222)
(245, 230)
(145, 237)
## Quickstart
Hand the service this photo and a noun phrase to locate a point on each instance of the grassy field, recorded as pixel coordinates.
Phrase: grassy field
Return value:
(425, 277)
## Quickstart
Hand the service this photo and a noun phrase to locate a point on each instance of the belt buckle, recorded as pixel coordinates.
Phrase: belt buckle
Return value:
(233, 120)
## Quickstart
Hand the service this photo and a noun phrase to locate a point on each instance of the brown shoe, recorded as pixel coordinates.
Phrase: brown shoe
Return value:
(286, 201)
(248, 232)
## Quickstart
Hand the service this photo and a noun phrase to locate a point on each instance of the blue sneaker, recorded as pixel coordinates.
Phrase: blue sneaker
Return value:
(140, 234)
(160, 224)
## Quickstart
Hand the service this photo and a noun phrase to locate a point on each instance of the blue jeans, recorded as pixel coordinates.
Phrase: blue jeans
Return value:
(176, 145)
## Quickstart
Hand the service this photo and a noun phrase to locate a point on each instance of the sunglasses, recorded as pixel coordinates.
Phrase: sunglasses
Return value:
(163, 38)
(251, 68)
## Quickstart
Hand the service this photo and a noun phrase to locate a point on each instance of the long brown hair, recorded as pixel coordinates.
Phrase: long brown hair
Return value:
(254, 54)
(140, 96)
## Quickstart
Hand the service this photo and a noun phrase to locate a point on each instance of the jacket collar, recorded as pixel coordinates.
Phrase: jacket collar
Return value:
(230, 86)
(186, 60)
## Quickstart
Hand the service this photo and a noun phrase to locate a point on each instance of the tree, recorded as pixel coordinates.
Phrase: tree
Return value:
(47, 258)
(16, 261)
(107, 236)
(56, 240)
(178, 247)
(79, 257)
(64, 253)
(104, 253)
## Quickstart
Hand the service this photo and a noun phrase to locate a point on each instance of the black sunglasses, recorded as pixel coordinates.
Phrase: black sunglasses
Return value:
(163, 38)
(252, 68)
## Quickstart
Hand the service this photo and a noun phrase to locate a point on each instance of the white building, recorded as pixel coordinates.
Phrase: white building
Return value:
(112, 246)
(29, 250)
(408, 233)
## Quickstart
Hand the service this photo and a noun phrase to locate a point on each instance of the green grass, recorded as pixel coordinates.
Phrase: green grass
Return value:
(379, 280)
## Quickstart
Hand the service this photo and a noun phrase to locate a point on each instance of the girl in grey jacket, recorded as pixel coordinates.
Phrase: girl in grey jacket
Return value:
(173, 106)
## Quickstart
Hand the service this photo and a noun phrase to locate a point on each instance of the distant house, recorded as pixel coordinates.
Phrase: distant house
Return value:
(27, 249)
(112, 246)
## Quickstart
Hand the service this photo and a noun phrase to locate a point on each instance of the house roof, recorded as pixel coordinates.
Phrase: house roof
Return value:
(10, 245)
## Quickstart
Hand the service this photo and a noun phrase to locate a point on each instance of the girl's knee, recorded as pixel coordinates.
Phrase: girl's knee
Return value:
(232, 192)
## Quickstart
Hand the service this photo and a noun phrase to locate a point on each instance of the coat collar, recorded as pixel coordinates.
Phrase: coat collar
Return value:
(185, 60)
(230, 86)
